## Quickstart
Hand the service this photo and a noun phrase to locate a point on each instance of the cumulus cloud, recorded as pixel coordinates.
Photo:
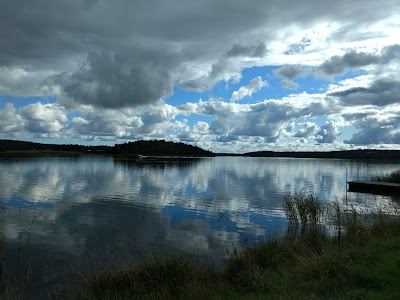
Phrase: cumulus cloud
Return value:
(290, 85)
(255, 85)
(297, 48)
(327, 133)
(290, 71)
(269, 119)
(381, 92)
(10, 121)
(308, 129)
(43, 112)
(258, 50)
(117, 79)
(338, 65)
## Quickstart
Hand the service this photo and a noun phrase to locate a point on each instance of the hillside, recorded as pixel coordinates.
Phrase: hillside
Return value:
(156, 147)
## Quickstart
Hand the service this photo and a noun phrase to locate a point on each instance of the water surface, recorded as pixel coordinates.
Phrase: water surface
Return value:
(61, 209)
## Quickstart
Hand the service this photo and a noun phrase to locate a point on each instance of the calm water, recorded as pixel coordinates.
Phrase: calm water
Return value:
(61, 209)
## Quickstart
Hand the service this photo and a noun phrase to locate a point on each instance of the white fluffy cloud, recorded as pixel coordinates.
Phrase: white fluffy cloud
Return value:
(255, 85)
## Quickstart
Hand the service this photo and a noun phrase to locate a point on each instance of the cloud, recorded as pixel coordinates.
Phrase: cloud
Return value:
(258, 50)
(338, 65)
(297, 48)
(10, 121)
(290, 85)
(43, 112)
(118, 79)
(381, 92)
(19, 81)
(255, 85)
(308, 129)
(290, 71)
(327, 133)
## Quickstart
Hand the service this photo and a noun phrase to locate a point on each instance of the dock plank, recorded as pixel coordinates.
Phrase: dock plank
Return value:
(374, 187)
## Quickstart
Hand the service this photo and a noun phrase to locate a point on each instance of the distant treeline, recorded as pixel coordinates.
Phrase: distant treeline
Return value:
(349, 154)
(160, 147)
(164, 148)
(155, 147)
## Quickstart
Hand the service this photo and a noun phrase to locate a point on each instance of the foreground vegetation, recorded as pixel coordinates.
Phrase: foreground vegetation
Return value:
(393, 177)
(2, 252)
(356, 258)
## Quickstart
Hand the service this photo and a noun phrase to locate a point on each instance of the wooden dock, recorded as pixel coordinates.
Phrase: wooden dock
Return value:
(374, 187)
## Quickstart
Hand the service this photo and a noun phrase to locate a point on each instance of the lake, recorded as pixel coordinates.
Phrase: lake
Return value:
(60, 211)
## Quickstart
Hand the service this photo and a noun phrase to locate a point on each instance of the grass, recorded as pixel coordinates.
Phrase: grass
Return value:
(393, 177)
(2, 252)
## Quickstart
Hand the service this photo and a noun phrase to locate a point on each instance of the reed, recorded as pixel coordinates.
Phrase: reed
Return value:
(393, 177)
(2, 252)
(303, 209)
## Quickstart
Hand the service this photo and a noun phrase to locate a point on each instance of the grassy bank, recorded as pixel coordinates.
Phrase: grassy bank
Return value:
(361, 260)
(2, 252)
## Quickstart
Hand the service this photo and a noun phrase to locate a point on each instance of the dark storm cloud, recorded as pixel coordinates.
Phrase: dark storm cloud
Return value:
(118, 79)
(290, 71)
(58, 35)
(382, 92)
(258, 50)
(338, 65)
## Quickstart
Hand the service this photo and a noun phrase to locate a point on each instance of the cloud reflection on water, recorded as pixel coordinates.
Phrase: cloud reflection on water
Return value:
(198, 206)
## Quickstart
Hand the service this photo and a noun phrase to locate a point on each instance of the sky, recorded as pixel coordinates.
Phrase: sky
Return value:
(227, 76)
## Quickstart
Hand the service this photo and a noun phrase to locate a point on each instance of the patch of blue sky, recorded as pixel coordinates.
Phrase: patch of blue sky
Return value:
(312, 85)
(320, 120)
(347, 133)
(19, 202)
(181, 96)
(224, 90)
(75, 114)
(24, 101)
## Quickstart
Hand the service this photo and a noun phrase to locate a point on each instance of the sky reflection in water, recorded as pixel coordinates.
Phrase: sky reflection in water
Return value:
(96, 205)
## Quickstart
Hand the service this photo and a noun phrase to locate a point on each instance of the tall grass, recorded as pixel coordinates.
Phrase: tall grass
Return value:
(303, 209)
(393, 177)
(2, 252)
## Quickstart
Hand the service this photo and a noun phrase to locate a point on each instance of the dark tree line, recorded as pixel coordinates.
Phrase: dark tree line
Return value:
(156, 147)
(160, 147)
(349, 154)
